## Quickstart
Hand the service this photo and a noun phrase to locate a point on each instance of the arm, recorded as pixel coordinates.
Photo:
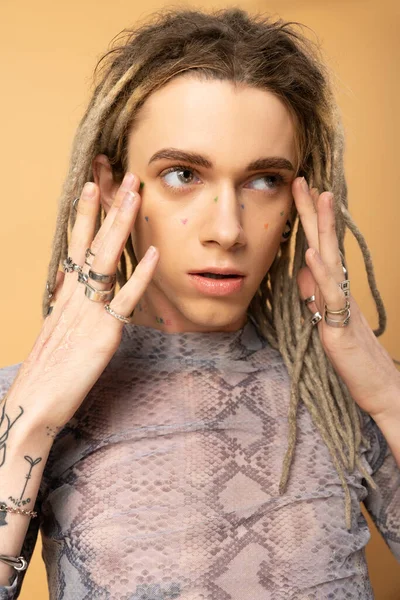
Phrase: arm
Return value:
(389, 422)
(24, 450)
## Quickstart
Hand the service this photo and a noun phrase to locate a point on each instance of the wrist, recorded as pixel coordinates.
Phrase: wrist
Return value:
(391, 403)
(24, 429)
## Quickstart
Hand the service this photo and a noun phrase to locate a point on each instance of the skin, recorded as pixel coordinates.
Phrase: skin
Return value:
(209, 217)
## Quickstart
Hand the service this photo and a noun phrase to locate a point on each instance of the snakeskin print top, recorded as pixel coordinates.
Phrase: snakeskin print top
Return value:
(164, 484)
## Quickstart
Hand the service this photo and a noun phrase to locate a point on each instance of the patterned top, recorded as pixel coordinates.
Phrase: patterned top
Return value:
(164, 484)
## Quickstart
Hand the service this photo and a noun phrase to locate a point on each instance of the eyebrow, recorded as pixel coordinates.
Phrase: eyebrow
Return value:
(275, 162)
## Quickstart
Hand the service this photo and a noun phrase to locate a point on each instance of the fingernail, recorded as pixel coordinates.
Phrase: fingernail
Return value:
(151, 251)
(304, 184)
(89, 189)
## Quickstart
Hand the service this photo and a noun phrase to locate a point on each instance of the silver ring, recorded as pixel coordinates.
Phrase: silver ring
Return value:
(316, 318)
(116, 315)
(309, 299)
(87, 255)
(101, 277)
(69, 265)
(343, 263)
(333, 323)
(74, 203)
(18, 563)
(345, 286)
(99, 295)
(342, 311)
(83, 277)
(50, 293)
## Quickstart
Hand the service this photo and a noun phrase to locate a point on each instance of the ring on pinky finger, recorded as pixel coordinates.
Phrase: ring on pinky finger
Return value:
(116, 315)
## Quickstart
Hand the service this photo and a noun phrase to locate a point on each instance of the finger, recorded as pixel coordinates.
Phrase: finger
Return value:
(107, 257)
(130, 293)
(307, 210)
(84, 226)
(328, 241)
(130, 182)
(333, 295)
(82, 234)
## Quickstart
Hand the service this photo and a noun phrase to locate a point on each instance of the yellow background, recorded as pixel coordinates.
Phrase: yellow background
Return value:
(48, 52)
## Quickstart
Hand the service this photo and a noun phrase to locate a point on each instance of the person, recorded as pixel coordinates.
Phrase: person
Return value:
(209, 429)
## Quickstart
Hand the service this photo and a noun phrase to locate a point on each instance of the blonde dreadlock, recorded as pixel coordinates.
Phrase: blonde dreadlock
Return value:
(231, 45)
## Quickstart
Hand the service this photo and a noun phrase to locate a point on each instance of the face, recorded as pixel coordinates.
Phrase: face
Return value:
(217, 209)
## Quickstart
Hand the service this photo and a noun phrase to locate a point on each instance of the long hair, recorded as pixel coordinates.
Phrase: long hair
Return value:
(274, 55)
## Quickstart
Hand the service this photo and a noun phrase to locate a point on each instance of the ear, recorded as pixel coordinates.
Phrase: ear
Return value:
(104, 178)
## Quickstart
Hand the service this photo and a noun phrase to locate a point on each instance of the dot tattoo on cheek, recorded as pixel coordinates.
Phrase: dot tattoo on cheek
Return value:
(147, 219)
(242, 205)
(216, 198)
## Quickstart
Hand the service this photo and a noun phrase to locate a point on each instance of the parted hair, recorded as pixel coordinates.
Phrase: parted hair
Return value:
(271, 54)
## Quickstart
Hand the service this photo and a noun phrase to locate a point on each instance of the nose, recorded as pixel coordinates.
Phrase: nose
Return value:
(222, 224)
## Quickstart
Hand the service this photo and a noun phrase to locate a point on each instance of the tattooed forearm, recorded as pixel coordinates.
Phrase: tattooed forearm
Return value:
(5, 422)
(32, 463)
(20, 501)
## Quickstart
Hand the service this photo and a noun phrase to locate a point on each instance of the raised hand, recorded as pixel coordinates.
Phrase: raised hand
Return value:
(354, 351)
(79, 337)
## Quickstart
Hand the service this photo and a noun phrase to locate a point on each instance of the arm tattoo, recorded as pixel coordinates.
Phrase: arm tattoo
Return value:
(52, 431)
(4, 418)
(20, 501)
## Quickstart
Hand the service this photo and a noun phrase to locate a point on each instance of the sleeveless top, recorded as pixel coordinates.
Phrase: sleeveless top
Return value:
(164, 484)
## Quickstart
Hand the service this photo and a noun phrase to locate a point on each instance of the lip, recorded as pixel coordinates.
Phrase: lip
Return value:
(219, 271)
(216, 287)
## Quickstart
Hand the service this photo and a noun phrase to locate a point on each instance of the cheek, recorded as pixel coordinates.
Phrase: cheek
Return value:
(266, 237)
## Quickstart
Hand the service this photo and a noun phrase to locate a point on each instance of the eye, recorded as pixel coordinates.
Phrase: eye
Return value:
(277, 181)
(179, 174)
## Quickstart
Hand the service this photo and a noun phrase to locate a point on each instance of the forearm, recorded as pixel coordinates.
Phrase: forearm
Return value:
(24, 451)
(389, 422)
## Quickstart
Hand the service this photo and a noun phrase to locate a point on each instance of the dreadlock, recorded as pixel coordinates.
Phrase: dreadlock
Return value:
(257, 51)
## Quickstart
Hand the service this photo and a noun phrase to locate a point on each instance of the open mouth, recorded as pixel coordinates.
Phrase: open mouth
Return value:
(217, 275)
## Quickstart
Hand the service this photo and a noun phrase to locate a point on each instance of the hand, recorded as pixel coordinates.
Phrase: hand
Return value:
(79, 337)
(354, 351)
